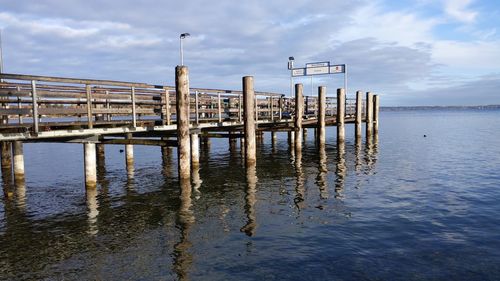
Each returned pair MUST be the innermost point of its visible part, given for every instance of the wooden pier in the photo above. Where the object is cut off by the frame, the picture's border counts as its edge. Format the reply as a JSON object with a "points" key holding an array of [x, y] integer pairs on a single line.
{"points": [[100, 112]]}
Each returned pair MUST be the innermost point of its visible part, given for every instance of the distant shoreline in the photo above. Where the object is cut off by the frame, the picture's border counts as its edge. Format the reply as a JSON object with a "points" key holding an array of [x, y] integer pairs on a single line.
{"points": [[426, 107]]}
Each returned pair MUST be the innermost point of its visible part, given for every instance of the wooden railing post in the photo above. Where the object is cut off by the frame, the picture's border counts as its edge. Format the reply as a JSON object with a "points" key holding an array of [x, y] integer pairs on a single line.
{"points": [[219, 108], [271, 107], [34, 100], [240, 106], [167, 107], [196, 108], [182, 113], [89, 106], [134, 117], [280, 104]]}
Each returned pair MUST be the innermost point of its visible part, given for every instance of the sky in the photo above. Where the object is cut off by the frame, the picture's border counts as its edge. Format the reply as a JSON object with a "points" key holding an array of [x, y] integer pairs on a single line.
{"points": [[421, 52]]}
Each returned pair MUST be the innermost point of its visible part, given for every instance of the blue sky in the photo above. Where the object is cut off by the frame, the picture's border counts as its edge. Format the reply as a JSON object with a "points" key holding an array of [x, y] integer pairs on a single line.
{"points": [[422, 52]]}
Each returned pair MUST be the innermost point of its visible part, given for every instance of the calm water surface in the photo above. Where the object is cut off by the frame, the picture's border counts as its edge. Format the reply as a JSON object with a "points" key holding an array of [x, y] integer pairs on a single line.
{"points": [[399, 207]]}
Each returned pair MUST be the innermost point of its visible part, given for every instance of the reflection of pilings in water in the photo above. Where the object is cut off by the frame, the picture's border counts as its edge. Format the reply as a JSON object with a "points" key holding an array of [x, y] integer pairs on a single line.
{"points": [[321, 180], [166, 159], [7, 183], [370, 153], [250, 200], [185, 219], [92, 212], [196, 181], [357, 153], [341, 170], [101, 165], [273, 142], [20, 197], [299, 189]]}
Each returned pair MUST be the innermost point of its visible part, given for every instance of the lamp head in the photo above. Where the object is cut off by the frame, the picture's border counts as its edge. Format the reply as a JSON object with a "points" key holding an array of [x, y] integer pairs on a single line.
{"points": [[184, 35]]}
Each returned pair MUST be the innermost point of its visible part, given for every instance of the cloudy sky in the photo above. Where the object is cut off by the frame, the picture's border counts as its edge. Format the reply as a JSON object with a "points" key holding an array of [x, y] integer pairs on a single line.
{"points": [[421, 52]]}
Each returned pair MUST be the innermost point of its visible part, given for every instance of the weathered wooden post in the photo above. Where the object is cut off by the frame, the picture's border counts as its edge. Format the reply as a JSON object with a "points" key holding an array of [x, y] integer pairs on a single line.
{"points": [[376, 105], [249, 120], [340, 115], [359, 111], [369, 114], [182, 106], [195, 150], [299, 111], [321, 116], [18, 160], [90, 165]]}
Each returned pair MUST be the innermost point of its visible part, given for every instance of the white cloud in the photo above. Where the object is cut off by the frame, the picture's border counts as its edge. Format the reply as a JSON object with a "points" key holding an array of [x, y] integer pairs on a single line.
{"points": [[459, 10]]}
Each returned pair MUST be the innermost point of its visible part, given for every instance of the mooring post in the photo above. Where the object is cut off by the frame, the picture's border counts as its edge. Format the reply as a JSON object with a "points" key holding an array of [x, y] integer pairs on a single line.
{"points": [[195, 150], [182, 106], [249, 120], [321, 115], [90, 165], [369, 114], [340, 115], [299, 111], [18, 160], [359, 111], [376, 105], [6, 156]]}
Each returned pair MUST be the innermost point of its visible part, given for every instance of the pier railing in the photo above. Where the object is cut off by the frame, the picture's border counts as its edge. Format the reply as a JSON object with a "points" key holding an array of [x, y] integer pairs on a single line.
{"points": [[38, 103]]}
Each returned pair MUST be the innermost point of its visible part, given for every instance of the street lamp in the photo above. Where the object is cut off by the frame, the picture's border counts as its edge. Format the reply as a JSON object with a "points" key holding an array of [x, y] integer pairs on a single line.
{"points": [[183, 35], [290, 67]]}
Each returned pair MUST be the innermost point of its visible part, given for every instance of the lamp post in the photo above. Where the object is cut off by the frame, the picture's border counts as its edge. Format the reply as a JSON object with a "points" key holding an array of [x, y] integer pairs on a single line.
{"points": [[290, 67], [181, 37]]}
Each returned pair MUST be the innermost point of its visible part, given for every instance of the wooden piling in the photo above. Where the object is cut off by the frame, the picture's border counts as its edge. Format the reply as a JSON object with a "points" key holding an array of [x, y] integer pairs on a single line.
{"points": [[249, 120], [359, 111], [340, 115], [18, 160], [299, 111], [99, 148], [90, 165], [182, 106], [376, 105], [195, 150], [321, 116], [369, 114]]}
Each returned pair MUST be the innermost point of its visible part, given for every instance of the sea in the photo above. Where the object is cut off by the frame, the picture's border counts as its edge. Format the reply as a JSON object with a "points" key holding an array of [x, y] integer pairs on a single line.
{"points": [[418, 201]]}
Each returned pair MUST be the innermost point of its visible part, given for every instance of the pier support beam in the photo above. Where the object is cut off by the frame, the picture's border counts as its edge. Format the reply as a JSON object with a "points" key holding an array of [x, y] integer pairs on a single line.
{"points": [[321, 116], [340, 115], [18, 160], [90, 165], [359, 111], [195, 150], [376, 105], [249, 120], [299, 111], [369, 114], [182, 106]]}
